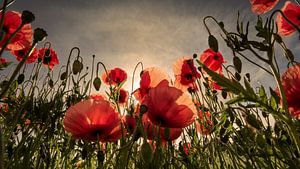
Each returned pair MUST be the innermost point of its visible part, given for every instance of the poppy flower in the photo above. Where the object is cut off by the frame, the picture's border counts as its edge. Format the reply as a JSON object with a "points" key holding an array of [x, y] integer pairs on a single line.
{"points": [[262, 6], [185, 73], [165, 134], [20, 54], [23, 39], [93, 119], [292, 12], [291, 82], [186, 148], [2, 61], [114, 76], [123, 96], [49, 57], [130, 123], [169, 106], [150, 78], [213, 60]]}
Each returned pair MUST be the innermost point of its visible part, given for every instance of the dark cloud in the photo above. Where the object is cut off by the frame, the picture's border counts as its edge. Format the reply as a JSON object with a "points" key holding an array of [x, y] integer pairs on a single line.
{"points": [[122, 33]]}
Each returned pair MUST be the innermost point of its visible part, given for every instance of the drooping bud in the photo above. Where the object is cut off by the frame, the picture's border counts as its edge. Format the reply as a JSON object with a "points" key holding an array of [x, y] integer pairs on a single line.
{"points": [[39, 35], [27, 17]]}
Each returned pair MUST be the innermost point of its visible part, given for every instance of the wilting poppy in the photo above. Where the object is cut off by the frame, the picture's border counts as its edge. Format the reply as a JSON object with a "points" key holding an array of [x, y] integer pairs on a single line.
{"points": [[292, 12], [23, 39], [165, 134], [169, 106], [185, 73], [114, 76], [48, 57], [213, 60], [20, 54], [291, 83], [93, 119], [262, 6], [150, 78]]}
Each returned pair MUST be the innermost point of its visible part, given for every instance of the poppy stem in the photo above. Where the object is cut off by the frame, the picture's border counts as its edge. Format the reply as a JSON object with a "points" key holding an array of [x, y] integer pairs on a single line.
{"points": [[133, 74], [93, 62], [9, 39], [3, 14], [16, 71]]}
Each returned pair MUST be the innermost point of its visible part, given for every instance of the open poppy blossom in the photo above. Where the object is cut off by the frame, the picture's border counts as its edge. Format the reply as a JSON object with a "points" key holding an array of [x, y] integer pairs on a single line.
{"points": [[23, 39], [185, 73], [213, 60], [291, 82], [49, 57], [263, 6], [292, 12], [165, 134], [20, 54], [169, 106], [150, 78], [93, 119], [114, 76]]}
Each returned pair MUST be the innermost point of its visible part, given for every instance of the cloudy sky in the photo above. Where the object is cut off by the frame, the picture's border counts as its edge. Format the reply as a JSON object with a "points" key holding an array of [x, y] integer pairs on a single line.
{"points": [[123, 32]]}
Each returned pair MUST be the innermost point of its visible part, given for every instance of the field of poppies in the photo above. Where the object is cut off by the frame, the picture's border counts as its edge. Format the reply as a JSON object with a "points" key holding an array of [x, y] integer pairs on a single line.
{"points": [[204, 114]]}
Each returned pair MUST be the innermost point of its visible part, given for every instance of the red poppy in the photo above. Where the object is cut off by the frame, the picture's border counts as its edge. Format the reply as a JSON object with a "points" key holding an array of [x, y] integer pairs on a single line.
{"points": [[20, 54], [23, 39], [93, 119], [123, 96], [130, 123], [2, 61], [169, 106], [185, 73], [186, 148], [262, 6], [114, 76], [292, 12], [165, 134], [213, 60], [49, 57], [150, 78], [291, 83]]}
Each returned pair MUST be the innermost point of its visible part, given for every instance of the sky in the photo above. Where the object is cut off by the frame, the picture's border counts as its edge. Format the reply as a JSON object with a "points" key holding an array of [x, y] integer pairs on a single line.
{"points": [[122, 33]]}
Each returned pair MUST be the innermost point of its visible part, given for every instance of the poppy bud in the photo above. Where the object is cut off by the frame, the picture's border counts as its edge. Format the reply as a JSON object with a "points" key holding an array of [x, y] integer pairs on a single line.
{"points": [[27, 17], [39, 34]]}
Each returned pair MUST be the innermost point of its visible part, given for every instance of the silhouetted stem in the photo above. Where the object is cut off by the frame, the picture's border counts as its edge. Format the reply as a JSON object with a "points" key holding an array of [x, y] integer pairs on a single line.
{"points": [[133, 74], [93, 62], [3, 14]]}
